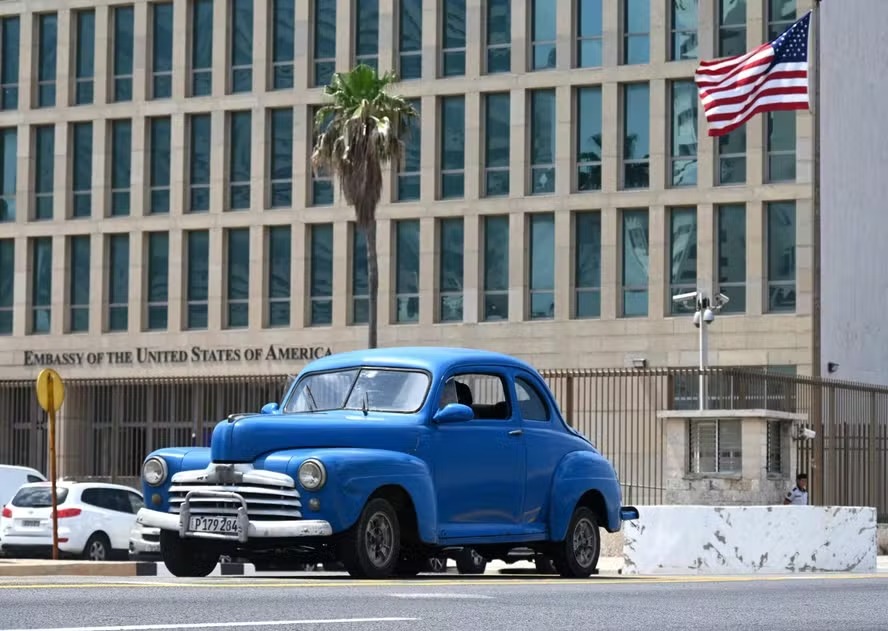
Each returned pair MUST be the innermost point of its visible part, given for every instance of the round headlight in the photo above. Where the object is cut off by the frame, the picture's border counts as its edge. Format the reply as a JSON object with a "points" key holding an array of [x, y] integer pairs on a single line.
{"points": [[154, 471], [312, 474]]}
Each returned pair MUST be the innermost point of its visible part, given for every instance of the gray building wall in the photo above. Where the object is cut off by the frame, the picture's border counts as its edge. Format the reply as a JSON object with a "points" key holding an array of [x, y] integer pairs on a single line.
{"points": [[854, 189]]}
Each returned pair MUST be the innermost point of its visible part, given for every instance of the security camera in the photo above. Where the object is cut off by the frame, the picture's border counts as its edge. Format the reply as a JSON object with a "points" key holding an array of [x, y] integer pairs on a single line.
{"points": [[723, 299], [708, 316], [810, 434], [697, 319], [684, 297]]}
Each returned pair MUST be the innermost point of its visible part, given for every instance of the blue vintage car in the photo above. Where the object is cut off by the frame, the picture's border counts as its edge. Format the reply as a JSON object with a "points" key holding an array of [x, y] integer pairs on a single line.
{"points": [[383, 459]]}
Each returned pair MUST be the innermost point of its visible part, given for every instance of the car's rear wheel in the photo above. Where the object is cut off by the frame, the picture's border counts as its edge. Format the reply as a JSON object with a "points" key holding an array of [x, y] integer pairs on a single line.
{"points": [[97, 548], [544, 565], [468, 561], [186, 557], [372, 548], [577, 555]]}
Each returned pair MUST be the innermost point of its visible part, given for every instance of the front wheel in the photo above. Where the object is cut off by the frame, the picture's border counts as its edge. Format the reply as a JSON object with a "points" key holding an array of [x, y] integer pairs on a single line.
{"points": [[372, 547], [98, 548], [468, 561], [186, 557], [577, 555]]}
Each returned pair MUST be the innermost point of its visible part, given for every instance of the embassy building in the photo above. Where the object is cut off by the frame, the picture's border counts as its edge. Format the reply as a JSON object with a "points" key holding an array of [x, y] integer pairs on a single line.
{"points": [[166, 247]]}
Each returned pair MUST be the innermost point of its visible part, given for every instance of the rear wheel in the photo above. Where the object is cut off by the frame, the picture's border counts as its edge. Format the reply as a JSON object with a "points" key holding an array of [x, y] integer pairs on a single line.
{"points": [[97, 548], [577, 555], [186, 557], [468, 561], [372, 548]]}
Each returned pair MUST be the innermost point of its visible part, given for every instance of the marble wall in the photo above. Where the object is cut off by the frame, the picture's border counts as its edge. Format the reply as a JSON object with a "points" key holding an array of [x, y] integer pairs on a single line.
{"points": [[750, 540]]}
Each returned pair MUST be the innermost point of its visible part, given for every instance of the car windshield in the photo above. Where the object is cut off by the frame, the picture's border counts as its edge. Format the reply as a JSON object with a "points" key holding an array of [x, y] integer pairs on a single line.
{"points": [[38, 496], [370, 389]]}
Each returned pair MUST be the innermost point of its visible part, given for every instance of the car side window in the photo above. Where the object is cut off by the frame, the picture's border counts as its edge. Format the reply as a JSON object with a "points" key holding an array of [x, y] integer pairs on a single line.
{"points": [[34, 478], [530, 402], [95, 497], [484, 393]]}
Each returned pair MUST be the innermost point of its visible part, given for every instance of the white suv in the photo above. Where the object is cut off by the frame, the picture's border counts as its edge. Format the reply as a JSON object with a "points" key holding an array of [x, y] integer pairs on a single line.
{"points": [[95, 520]]}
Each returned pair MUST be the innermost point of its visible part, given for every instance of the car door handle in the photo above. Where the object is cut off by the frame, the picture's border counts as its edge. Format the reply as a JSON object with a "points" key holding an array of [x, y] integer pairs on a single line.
{"points": [[516, 432]]}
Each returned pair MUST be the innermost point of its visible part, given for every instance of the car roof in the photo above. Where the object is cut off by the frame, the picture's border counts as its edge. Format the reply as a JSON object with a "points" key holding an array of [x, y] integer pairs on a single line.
{"points": [[435, 359], [15, 467], [70, 484]]}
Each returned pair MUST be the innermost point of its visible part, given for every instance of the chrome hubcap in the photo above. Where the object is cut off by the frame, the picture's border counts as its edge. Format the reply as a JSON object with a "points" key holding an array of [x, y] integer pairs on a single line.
{"points": [[585, 541], [379, 540], [97, 551], [477, 559]]}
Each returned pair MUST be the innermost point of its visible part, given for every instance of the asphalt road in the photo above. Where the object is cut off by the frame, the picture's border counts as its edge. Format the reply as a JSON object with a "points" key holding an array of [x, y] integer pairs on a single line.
{"points": [[451, 603]]}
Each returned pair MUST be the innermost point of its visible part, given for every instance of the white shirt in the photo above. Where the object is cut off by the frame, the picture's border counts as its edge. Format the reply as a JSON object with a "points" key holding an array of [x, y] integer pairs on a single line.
{"points": [[797, 496]]}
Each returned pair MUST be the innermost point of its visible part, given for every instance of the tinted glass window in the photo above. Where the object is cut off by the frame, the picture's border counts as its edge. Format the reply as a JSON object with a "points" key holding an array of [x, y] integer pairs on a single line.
{"points": [[38, 497], [34, 478], [485, 394], [530, 403], [135, 501], [95, 497]]}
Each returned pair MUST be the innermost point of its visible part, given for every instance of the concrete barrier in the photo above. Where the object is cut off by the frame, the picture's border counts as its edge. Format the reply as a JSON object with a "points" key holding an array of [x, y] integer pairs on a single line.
{"points": [[681, 540]]}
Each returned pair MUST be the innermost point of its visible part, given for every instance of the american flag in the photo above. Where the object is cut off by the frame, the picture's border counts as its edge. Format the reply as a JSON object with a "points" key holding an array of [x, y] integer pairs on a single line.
{"points": [[773, 76]]}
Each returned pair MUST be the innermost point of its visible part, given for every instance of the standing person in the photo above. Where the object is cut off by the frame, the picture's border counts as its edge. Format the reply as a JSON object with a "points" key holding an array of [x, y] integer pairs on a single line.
{"points": [[798, 496]]}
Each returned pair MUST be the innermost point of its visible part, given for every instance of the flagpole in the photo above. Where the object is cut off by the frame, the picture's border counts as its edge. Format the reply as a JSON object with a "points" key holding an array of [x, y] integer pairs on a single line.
{"points": [[819, 451]]}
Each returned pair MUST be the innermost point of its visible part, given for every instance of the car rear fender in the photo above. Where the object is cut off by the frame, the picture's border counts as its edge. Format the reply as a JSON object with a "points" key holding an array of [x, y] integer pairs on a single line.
{"points": [[584, 478]]}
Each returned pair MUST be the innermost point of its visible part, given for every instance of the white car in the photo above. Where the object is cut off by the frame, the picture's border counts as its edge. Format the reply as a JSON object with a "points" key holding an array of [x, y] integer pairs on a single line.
{"points": [[12, 477], [95, 520], [144, 543]]}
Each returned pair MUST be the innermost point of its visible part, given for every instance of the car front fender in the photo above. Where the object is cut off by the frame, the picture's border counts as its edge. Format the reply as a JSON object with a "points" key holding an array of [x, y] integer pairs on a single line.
{"points": [[177, 459], [580, 473]]}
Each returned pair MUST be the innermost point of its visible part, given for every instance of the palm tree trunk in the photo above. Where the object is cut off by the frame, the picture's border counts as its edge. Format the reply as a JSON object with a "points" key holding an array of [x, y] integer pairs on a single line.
{"points": [[372, 283]]}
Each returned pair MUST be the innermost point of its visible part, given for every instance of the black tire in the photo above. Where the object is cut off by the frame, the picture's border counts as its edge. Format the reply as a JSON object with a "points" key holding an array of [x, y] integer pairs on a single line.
{"points": [[372, 547], [98, 548], [470, 562], [544, 565], [577, 555], [437, 565], [186, 557]]}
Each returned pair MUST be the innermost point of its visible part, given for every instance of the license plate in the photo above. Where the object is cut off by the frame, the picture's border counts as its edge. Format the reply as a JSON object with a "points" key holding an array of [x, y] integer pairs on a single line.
{"points": [[219, 525], [30, 523]]}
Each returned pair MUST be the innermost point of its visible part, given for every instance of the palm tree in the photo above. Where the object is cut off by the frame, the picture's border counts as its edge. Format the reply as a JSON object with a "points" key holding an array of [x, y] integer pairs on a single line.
{"points": [[362, 129]]}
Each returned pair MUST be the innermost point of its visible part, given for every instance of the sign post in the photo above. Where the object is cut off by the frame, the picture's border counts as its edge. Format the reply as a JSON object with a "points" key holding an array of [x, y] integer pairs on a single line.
{"points": [[50, 394]]}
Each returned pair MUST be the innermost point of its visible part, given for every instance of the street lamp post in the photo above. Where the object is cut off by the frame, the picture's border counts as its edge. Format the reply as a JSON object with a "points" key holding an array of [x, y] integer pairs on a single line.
{"points": [[704, 314]]}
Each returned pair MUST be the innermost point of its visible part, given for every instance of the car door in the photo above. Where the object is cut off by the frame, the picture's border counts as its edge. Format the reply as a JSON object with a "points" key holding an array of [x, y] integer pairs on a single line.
{"points": [[479, 464], [123, 516]]}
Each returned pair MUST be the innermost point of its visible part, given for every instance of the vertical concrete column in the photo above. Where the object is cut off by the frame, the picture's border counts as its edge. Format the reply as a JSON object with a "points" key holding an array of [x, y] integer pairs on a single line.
{"points": [[657, 273], [345, 35], [520, 28], [64, 57], [302, 133], [218, 161], [101, 169], [431, 37], [97, 277], [611, 263], [804, 256], [385, 253], [181, 49], [428, 271], [517, 267], [473, 130], [142, 20], [388, 35], [564, 251], [706, 246], [756, 127], [564, 139], [103, 56], [259, 152], [221, 50], [138, 166], [756, 255], [565, 29], [474, 38], [216, 279], [21, 287], [611, 137], [179, 146], [660, 31], [429, 149], [28, 45], [612, 44], [177, 285], [518, 143], [303, 35], [138, 282], [59, 302], [258, 273], [25, 164], [659, 147], [299, 270], [471, 268], [262, 43], [341, 295]]}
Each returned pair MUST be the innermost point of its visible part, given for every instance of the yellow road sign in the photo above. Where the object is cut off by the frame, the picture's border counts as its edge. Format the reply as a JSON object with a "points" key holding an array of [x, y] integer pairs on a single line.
{"points": [[50, 390]]}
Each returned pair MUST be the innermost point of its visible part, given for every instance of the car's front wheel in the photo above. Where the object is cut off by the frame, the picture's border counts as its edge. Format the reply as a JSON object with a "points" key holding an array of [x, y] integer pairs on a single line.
{"points": [[577, 555], [468, 561], [372, 548], [186, 557]]}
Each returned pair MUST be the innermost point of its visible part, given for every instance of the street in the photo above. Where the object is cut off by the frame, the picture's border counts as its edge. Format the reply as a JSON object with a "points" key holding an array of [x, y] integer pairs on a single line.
{"points": [[445, 602]]}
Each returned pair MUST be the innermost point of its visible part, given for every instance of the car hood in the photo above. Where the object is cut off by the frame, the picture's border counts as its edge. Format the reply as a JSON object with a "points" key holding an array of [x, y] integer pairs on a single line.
{"points": [[244, 438]]}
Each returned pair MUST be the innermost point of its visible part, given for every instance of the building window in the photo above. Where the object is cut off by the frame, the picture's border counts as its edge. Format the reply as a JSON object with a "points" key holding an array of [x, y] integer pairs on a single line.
{"points": [[241, 46], [123, 54], [682, 256], [407, 270], [410, 39], [9, 62], [198, 256], [774, 445], [542, 141], [47, 33], [162, 50], [367, 33], [283, 43], [238, 285], [450, 271], [41, 284], [636, 258], [7, 284], [78, 287], [497, 143], [453, 38], [279, 250], [324, 20], [360, 302], [496, 268], [282, 157], [84, 56], [158, 279], [587, 264], [239, 159], [636, 31], [44, 171], [201, 47], [732, 157], [731, 255], [731, 28], [781, 146], [453, 143], [684, 133], [322, 179], [160, 139], [544, 33], [121, 166], [684, 30], [590, 36], [118, 282], [321, 270], [499, 36], [82, 135], [541, 296], [200, 147], [409, 180], [781, 239], [588, 142], [636, 135], [715, 446], [8, 173], [781, 15]]}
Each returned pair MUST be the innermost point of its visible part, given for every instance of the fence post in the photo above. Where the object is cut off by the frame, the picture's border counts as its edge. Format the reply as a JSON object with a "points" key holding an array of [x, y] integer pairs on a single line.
{"points": [[872, 474], [569, 399]]}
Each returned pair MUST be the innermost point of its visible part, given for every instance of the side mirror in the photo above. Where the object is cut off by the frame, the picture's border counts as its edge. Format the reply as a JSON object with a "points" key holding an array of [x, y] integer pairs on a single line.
{"points": [[270, 408], [454, 413]]}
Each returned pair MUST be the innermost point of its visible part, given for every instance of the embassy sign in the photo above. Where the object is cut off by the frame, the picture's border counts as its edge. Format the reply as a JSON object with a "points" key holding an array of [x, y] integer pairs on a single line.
{"points": [[197, 355]]}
